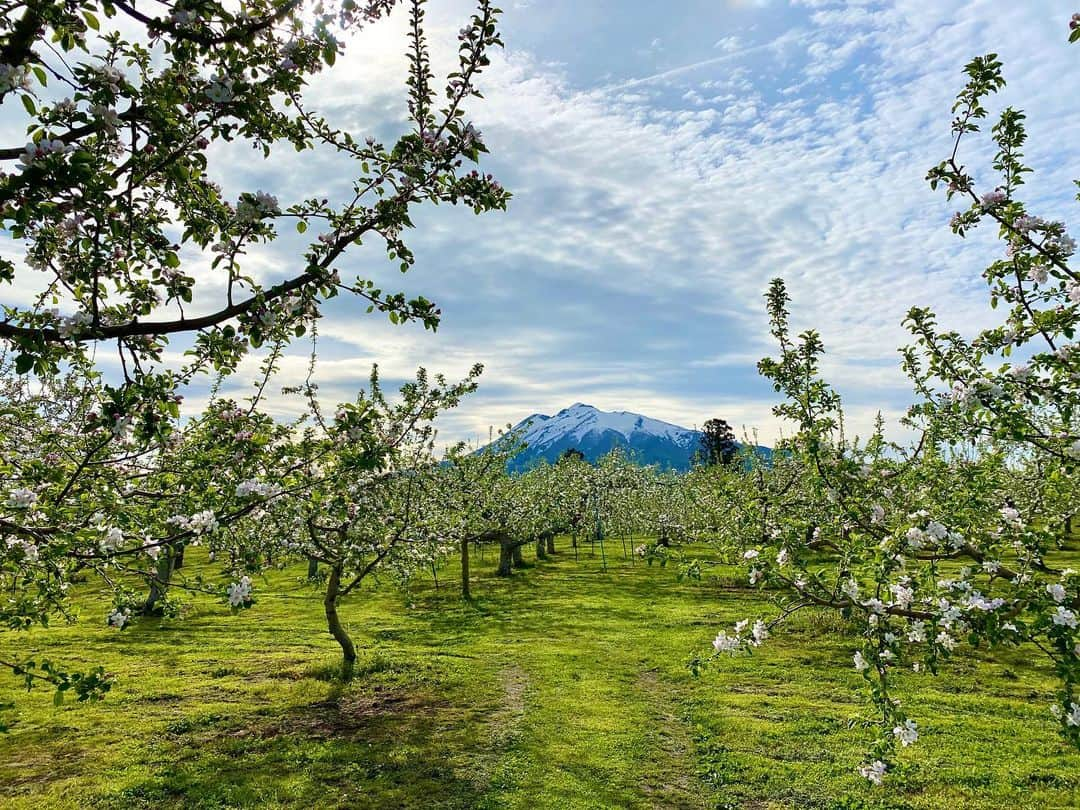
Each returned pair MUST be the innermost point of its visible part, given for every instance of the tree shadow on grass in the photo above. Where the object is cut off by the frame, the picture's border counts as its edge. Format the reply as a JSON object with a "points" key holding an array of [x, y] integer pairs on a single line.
{"points": [[373, 748]]}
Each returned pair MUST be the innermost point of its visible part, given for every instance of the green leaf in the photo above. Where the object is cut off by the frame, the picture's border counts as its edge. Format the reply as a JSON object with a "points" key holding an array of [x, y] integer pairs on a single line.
{"points": [[23, 363], [301, 226], [29, 104]]}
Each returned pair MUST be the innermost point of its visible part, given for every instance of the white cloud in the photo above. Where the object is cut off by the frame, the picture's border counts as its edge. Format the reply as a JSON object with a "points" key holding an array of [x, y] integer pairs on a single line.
{"points": [[650, 212]]}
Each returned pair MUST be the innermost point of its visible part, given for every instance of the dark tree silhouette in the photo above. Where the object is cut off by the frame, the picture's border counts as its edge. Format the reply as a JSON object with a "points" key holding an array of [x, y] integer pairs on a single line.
{"points": [[718, 445], [572, 454]]}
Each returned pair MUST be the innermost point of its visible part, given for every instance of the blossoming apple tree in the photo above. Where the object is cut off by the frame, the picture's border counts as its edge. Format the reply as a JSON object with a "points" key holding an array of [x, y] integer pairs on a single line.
{"points": [[123, 241], [370, 501], [956, 539]]}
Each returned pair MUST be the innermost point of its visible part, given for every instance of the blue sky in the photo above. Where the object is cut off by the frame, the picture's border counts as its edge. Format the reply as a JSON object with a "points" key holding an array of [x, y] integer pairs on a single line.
{"points": [[667, 160]]}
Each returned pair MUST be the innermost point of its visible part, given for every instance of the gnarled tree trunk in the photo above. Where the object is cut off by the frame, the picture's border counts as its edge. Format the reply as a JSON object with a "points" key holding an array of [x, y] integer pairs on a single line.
{"points": [[333, 623], [160, 583], [551, 543], [506, 557]]}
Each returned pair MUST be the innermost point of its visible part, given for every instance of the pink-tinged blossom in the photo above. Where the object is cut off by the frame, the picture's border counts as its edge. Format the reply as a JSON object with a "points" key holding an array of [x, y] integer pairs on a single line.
{"points": [[1026, 224], [992, 198]]}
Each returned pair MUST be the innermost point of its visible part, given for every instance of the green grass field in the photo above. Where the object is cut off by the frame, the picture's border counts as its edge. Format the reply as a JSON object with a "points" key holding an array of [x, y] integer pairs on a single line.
{"points": [[565, 687]]}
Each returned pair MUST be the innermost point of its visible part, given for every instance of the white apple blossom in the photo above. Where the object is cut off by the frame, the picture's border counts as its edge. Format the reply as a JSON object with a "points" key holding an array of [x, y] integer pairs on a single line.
{"points": [[239, 592], [1012, 518], [875, 605], [21, 498], [906, 733], [112, 540], [903, 595], [977, 601], [71, 325], [1063, 617], [255, 488], [14, 76], [945, 640], [1071, 717], [915, 537], [41, 150], [850, 589], [874, 772], [723, 643], [220, 90], [759, 632]]}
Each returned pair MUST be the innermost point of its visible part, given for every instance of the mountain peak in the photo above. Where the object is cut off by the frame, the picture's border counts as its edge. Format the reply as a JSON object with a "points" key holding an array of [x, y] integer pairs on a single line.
{"points": [[595, 432]]}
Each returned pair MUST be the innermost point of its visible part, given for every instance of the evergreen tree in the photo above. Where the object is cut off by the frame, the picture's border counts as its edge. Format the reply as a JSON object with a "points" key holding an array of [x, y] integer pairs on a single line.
{"points": [[718, 445]]}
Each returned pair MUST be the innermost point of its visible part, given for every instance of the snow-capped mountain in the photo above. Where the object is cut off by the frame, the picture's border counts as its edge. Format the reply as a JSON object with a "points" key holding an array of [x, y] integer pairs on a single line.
{"points": [[595, 432]]}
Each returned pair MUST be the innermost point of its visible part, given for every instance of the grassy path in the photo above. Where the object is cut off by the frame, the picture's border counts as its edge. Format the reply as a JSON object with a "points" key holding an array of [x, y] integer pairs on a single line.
{"points": [[566, 687]]}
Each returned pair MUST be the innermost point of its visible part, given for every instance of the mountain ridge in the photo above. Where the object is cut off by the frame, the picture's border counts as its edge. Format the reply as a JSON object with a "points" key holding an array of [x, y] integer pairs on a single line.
{"points": [[594, 433]]}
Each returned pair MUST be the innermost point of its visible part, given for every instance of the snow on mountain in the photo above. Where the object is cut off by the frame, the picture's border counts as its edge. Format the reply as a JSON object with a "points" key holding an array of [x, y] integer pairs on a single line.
{"points": [[595, 432], [580, 420]]}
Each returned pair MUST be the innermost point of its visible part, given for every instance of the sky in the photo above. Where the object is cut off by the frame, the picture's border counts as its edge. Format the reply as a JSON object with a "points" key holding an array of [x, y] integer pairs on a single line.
{"points": [[667, 161]]}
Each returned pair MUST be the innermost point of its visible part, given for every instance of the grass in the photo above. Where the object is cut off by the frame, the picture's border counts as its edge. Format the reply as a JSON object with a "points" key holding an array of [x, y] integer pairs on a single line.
{"points": [[565, 687]]}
